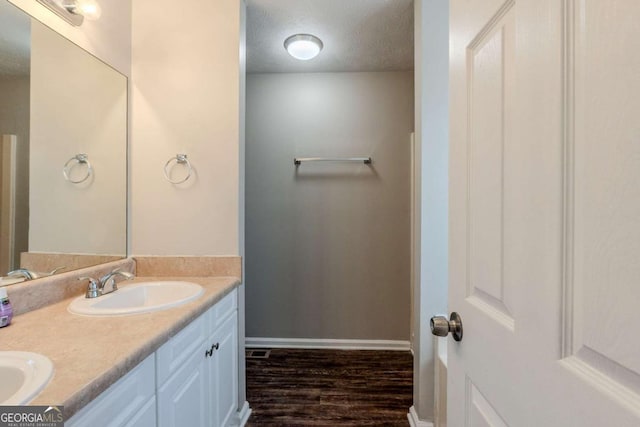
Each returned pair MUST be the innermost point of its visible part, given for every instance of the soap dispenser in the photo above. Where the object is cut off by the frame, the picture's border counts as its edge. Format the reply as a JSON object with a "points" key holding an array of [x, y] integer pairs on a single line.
{"points": [[6, 311]]}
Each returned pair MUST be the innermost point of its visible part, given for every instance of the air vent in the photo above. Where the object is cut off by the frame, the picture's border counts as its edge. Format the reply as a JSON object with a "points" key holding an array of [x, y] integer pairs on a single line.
{"points": [[258, 354]]}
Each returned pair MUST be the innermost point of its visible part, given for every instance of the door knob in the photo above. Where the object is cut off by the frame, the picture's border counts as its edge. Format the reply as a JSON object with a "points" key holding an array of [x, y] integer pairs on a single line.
{"points": [[441, 327]]}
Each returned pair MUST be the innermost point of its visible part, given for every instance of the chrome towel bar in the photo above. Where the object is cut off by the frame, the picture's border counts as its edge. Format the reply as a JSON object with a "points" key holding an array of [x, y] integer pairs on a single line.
{"points": [[298, 160]]}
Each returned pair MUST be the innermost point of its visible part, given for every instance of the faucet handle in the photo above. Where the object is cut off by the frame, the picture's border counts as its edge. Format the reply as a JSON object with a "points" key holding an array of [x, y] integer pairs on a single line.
{"points": [[93, 290], [55, 270]]}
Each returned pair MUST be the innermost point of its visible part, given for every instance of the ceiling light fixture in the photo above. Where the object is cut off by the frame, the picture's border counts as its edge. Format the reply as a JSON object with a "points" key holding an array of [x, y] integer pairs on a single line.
{"points": [[74, 11], [303, 46]]}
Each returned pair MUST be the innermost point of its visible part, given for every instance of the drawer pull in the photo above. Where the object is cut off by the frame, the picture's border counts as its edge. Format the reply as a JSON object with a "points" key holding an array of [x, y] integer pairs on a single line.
{"points": [[209, 352]]}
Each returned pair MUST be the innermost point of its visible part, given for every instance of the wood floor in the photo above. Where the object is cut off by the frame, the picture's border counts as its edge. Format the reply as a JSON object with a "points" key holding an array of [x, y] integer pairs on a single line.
{"points": [[296, 387]]}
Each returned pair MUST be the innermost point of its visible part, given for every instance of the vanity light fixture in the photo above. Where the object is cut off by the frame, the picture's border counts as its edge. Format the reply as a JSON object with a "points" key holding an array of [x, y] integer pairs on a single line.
{"points": [[90, 9], [303, 46], [74, 11]]}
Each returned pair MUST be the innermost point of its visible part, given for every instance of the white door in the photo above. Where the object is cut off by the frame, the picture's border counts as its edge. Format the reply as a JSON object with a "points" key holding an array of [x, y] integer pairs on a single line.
{"points": [[545, 213]]}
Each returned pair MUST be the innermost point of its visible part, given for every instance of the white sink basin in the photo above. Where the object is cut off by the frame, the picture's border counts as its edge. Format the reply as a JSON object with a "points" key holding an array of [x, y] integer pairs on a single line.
{"points": [[141, 297], [23, 375]]}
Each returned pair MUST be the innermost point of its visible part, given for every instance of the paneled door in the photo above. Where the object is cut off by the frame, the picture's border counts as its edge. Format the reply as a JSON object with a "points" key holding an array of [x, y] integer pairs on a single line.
{"points": [[545, 213]]}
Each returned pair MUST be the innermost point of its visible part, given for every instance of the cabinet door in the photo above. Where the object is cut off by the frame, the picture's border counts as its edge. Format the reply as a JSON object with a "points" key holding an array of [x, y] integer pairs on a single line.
{"points": [[129, 402], [173, 354], [222, 309], [146, 417], [223, 372], [183, 399]]}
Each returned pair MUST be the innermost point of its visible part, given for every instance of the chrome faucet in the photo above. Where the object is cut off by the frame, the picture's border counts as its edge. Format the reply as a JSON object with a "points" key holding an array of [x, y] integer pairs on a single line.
{"points": [[93, 290], [96, 288], [30, 275], [110, 278]]}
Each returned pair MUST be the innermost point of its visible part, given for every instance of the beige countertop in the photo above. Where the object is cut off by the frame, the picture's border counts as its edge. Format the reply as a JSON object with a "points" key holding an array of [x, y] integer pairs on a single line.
{"points": [[91, 353]]}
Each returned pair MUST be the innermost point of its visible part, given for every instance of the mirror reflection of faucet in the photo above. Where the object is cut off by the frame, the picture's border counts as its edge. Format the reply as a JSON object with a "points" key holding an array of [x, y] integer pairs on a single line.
{"points": [[22, 274], [97, 287]]}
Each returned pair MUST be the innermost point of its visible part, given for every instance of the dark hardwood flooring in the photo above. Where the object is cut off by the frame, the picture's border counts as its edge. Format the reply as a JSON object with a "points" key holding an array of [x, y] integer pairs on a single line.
{"points": [[296, 387]]}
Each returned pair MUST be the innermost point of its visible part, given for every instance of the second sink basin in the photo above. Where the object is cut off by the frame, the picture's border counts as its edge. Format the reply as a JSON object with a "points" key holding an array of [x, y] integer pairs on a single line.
{"points": [[142, 297], [23, 375]]}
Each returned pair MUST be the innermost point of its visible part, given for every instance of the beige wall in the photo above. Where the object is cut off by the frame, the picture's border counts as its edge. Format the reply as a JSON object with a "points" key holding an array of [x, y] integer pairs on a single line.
{"points": [[78, 105], [186, 99], [14, 120], [109, 38], [327, 244]]}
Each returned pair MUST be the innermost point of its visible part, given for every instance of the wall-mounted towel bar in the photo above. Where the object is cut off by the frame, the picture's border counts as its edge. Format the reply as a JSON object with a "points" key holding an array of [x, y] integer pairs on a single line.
{"points": [[298, 160]]}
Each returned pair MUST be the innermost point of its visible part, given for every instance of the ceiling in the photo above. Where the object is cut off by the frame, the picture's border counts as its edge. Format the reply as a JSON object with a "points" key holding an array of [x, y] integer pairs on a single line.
{"points": [[15, 41], [358, 35]]}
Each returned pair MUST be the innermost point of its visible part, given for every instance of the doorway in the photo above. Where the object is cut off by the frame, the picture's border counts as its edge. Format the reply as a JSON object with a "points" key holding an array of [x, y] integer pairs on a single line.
{"points": [[328, 242]]}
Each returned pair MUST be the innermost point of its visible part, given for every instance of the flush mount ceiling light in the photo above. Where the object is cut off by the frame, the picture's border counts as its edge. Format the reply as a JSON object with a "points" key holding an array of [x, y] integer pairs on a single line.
{"points": [[74, 11], [303, 46]]}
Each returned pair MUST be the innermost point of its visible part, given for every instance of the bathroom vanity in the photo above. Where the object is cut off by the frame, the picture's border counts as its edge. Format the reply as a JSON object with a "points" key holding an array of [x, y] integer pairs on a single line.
{"points": [[173, 367], [190, 380], [68, 207]]}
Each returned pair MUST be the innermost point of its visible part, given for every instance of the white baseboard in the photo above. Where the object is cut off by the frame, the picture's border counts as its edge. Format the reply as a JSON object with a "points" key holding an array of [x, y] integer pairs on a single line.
{"points": [[242, 416], [414, 421], [327, 344]]}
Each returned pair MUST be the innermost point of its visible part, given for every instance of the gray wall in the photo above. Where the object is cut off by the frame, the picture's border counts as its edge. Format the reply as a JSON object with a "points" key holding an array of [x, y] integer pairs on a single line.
{"points": [[328, 244]]}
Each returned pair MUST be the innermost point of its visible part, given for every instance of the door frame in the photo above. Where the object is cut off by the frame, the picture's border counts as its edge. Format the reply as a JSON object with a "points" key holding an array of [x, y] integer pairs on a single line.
{"points": [[8, 205], [430, 287]]}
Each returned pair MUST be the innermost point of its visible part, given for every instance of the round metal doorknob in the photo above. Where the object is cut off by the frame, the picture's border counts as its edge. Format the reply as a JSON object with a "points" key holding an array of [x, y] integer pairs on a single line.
{"points": [[441, 327]]}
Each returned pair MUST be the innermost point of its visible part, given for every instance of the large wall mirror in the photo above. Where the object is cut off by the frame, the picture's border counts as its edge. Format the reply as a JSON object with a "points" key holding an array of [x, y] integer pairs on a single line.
{"points": [[63, 159]]}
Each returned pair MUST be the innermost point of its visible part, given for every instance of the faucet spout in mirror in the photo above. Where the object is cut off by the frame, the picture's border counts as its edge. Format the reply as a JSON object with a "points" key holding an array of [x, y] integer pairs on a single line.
{"points": [[24, 273], [30, 275]]}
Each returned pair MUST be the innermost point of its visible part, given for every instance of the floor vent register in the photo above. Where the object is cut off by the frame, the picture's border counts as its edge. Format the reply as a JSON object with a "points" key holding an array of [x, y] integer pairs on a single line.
{"points": [[258, 354]]}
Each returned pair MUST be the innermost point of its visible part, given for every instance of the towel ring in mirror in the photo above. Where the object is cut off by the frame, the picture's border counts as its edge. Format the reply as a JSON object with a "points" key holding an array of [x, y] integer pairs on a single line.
{"points": [[179, 159]]}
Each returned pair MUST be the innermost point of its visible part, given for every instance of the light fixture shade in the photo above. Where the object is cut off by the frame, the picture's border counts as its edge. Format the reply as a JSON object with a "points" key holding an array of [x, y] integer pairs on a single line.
{"points": [[303, 46], [90, 9], [64, 9], [74, 11]]}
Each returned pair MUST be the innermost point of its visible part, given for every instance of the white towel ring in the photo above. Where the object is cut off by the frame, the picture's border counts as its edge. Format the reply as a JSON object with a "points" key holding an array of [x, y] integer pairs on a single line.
{"points": [[179, 159], [78, 159]]}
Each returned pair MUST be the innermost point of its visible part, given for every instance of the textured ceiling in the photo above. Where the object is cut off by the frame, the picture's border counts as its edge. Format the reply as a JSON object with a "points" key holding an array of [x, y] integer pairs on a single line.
{"points": [[358, 35], [15, 40]]}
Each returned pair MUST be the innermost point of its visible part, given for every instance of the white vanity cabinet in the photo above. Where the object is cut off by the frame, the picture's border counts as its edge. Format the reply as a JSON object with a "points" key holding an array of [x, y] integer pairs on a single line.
{"points": [[192, 380], [222, 371], [182, 389], [130, 402], [198, 370]]}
